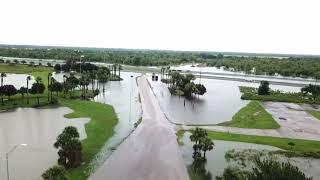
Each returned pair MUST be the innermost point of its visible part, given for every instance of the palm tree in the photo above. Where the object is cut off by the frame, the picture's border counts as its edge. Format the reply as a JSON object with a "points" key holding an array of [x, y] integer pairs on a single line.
{"points": [[119, 69], [38, 81], [49, 75], [64, 84], [2, 76], [207, 145], [92, 76], [28, 79]]}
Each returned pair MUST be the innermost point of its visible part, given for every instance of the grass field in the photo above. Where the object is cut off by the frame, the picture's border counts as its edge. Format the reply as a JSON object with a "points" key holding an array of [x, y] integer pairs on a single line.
{"points": [[252, 116], [99, 130], [305, 148], [316, 114], [250, 93]]}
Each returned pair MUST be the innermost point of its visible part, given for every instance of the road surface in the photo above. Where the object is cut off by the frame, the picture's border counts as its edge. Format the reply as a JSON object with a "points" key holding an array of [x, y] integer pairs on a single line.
{"points": [[151, 152]]}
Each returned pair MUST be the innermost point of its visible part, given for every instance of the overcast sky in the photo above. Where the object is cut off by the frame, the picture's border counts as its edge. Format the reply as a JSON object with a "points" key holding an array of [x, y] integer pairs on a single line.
{"points": [[271, 26]]}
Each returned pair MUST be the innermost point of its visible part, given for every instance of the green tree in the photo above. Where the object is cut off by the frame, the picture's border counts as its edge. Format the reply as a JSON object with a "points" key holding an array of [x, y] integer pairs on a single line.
{"points": [[268, 169], [56, 87], [55, 173], [312, 89], [271, 169], [57, 68], [207, 145], [70, 148], [264, 88], [49, 76], [28, 79], [8, 90], [3, 75], [38, 88], [22, 91]]}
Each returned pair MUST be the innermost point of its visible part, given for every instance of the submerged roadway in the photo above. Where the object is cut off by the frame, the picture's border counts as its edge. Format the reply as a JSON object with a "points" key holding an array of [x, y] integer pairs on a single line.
{"points": [[151, 152]]}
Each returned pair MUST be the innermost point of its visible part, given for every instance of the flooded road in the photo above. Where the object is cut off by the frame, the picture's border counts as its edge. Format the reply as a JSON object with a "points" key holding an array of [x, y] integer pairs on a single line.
{"points": [[38, 128], [150, 152]]}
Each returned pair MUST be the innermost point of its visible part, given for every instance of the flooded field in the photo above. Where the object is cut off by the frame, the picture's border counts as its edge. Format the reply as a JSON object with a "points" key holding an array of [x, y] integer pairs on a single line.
{"points": [[17, 80], [38, 128], [217, 161], [219, 104], [123, 96]]}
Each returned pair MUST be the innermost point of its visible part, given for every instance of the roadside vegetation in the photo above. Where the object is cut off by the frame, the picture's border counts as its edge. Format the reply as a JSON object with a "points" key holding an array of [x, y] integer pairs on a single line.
{"points": [[265, 169], [294, 147], [309, 95], [252, 116]]}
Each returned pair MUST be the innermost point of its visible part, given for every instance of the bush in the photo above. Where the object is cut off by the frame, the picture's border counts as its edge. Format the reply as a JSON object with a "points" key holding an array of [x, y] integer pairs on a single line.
{"points": [[264, 88], [55, 173]]}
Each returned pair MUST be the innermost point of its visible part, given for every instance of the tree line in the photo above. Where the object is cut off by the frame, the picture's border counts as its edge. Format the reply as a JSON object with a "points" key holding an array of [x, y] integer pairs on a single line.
{"points": [[303, 66]]}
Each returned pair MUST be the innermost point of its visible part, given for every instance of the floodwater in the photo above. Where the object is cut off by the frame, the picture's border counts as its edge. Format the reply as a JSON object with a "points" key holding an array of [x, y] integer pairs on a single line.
{"points": [[219, 104], [117, 94], [213, 71], [216, 161], [38, 128], [18, 80]]}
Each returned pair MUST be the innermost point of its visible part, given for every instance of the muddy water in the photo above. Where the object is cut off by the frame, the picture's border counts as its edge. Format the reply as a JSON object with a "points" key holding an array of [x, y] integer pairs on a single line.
{"points": [[18, 80], [117, 94], [38, 128], [216, 161], [219, 104]]}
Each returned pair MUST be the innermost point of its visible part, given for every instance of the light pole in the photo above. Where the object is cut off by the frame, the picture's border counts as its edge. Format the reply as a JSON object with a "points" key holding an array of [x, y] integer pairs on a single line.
{"points": [[130, 98], [7, 157], [82, 56]]}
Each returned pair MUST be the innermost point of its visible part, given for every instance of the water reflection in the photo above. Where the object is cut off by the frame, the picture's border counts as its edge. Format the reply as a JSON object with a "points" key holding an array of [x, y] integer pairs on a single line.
{"points": [[121, 95], [216, 162], [18, 80], [237, 155], [219, 104], [38, 128]]}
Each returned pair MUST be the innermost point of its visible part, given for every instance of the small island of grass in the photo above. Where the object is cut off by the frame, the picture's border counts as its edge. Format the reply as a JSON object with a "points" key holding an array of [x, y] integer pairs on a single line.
{"points": [[252, 116]]}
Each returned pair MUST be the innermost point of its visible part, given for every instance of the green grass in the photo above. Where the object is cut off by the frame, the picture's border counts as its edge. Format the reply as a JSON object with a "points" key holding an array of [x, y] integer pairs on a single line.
{"points": [[250, 93], [301, 148], [23, 69], [99, 130], [252, 116], [316, 114], [282, 143]]}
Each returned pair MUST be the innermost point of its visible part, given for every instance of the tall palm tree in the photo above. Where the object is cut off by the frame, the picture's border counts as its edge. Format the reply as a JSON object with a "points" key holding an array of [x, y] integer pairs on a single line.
{"points": [[28, 79], [119, 69], [38, 81], [2, 76], [207, 145], [49, 75], [64, 85]]}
